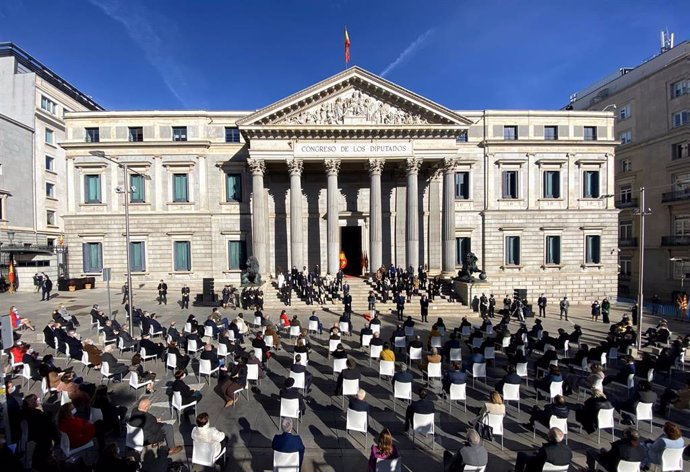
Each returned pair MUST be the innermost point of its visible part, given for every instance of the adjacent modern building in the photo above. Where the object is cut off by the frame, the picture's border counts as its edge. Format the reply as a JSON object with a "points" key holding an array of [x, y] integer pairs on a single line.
{"points": [[33, 103], [652, 128], [355, 166]]}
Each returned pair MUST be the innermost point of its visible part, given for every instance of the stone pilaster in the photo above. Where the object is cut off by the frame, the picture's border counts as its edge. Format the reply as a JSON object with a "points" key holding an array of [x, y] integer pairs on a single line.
{"points": [[412, 166], [448, 226], [259, 229], [375, 218], [295, 167], [332, 214]]}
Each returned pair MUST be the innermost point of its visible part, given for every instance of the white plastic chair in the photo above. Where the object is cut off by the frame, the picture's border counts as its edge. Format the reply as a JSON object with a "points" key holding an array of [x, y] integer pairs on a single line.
{"points": [[303, 359], [259, 353], [105, 372], [423, 424], [187, 328], [253, 373], [477, 342], [496, 423], [555, 388], [222, 350], [511, 392], [415, 354], [672, 460], [134, 381], [350, 387], [145, 357], [375, 328], [455, 354], [400, 342], [285, 461], [25, 373], [490, 354], [644, 412], [171, 362], [605, 420], [44, 387], [358, 421], [299, 380], [338, 366], [313, 326], [386, 368], [549, 467], [153, 333], [257, 321], [84, 361], [134, 438], [192, 346], [64, 398], [402, 390], [203, 454], [478, 371], [177, 406], [555, 422], [205, 369], [388, 465], [436, 342], [66, 448], [374, 352], [521, 370], [626, 466], [332, 345], [294, 332], [433, 371], [366, 340], [289, 408], [344, 327], [466, 331], [457, 392], [208, 332]]}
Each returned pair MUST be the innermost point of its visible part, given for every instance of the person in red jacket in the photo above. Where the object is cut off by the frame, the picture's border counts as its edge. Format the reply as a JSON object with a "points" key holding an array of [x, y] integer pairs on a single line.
{"points": [[78, 430], [18, 321]]}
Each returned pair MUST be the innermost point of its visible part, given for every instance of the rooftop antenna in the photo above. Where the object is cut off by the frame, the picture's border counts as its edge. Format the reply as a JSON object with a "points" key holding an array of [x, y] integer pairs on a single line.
{"points": [[666, 40]]}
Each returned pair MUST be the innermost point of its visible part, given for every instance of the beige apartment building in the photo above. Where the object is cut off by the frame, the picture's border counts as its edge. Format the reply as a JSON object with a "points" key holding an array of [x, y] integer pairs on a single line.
{"points": [[33, 103], [652, 127], [354, 165]]}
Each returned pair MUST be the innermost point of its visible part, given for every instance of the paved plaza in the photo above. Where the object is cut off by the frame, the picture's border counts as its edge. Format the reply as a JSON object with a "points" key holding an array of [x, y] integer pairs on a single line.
{"points": [[251, 423]]}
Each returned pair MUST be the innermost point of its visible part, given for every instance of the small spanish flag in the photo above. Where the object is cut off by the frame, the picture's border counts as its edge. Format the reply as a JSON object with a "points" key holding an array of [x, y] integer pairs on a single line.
{"points": [[347, 47]]}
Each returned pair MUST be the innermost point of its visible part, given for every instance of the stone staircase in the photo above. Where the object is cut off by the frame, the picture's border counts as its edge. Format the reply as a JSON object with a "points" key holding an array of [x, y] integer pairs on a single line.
{"points": [[359, 289]]}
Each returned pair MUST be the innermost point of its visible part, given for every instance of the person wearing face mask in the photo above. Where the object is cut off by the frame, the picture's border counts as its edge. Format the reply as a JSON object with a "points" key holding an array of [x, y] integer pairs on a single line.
{"points": [[79, 431], [41, 429]]}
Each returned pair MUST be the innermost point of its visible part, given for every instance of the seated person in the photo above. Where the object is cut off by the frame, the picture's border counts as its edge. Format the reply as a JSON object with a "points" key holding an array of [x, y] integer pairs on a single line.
{"points": [[351, 372], [188, 395], [677, 398], [553, 376], [204, 432], [454, 375], [387, 354], [289, 392], [182, 359], [627, 449], [554, 452], [628, 408], [557, 408], [587, 416], [423, 406], [116, 368], [78, 430], [288, 441], [357, 402], [510, 378], [210, 353], [623, 373], [433, 358], [472, 453], [151, 348], [475, 358], [298, 368], [403, 375], [154, 431], [671, 438], [339, 352]]}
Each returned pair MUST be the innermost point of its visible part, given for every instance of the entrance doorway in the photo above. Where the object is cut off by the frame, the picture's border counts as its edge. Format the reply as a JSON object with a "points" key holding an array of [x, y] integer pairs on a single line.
{"points": [[351, 245]]}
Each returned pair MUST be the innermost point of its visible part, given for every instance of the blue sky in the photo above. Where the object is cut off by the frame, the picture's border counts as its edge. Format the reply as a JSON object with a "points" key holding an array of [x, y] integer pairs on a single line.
{"points": [[243, 55]]}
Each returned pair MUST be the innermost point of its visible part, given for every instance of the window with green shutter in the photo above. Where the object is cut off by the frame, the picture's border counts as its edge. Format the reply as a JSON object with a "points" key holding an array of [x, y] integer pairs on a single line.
{"points": [[512, 250], [233, 187], [593, 249], [590, 184], [92, 188], [237, 255], [93, 257], [137, 185], [463, 246], [180, 188], [553, 250], [137, 257], [552, 184], [182, 256]]}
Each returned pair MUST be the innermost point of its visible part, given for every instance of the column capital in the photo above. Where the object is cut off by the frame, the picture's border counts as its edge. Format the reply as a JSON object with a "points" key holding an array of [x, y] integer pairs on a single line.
{"points": [[449, 164], [412, 165], [332, 166], [295, 166], [376, 166], [257, 166]]}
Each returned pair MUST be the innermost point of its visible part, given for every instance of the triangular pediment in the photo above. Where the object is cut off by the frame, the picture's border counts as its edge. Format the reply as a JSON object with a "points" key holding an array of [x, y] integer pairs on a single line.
{"points": [[352, 99]]}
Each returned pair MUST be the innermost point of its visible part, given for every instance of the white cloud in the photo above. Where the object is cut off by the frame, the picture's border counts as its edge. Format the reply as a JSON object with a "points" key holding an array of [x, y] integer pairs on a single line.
{"points": [[143, 26], [409, 51]]}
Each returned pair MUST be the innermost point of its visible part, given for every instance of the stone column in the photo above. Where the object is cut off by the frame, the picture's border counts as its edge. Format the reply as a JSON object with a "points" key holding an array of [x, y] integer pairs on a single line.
{"points": [[448, 229], [412, 223], [259, 229], [375, 219], [295, 167], [333, 211]]}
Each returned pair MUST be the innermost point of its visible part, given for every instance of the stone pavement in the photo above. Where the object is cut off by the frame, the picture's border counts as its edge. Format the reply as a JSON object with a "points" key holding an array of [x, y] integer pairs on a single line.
{"points": [[251, 424]]}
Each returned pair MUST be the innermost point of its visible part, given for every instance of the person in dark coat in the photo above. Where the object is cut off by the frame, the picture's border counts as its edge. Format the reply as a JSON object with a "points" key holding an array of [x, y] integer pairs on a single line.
{"points": [[471, 453], [351, 372], [455, 375], [557, 408], [554, 452], [298, 368], [626, 449], [189, 395], [151, 347], [510, 378], [118, 369], [643, 394], [210, 353], [289, 392], [358, 403], [288, 441], [587, 416], [154, 432], [424, 307], [422, 406]]}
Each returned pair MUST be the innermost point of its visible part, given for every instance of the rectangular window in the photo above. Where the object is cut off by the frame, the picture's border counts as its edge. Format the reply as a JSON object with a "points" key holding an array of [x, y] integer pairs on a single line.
{"points": [[136, 134], [92, 188], [590, 187], [626, 267], [681, 182], [233, 187], [625, 193], [625, 229], [625, 165], [624, 112], [179, 133], [510, 133], [551, 133], [237, 255], [137, 185], [49, 136], [510, 184], [232, 135], [462, 185], [93, 257], [93, 135], [463, 246], [680, 88], [553, 250], [590, 133], [182, 256], [592, 249], [512, 250], [137, 256], [50, 163], [552, 184], [681, 118], [462, 137], [625, 137], [680, 150], [50, 190], [681, 225], [180, 188], [50, 217], [48, 105]]}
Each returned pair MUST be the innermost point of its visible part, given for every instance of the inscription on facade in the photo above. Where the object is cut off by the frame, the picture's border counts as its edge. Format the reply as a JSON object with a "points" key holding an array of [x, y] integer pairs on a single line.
{"points": [[353, 149]]}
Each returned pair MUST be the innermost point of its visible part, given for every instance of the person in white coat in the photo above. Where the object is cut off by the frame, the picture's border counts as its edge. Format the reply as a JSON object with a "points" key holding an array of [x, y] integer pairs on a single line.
{"points": [[203, 432]]}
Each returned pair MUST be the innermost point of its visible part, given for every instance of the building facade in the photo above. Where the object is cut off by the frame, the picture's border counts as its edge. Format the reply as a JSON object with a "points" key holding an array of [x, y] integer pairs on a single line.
{"points": [[652, 127], [353, 166], [33, 102]]}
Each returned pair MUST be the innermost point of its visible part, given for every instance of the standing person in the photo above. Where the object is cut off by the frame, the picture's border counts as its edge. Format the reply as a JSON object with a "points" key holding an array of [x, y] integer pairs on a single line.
{"points": [[596, 310], [38, 282], [483, 305], [633, 313], [564, 305], [605, 309], [492, 306], [185, 297], [46, 288], [125, 292], [541, 303], [162, 292], [424, 306], [400, 306], [383, 449], [371, 301]]}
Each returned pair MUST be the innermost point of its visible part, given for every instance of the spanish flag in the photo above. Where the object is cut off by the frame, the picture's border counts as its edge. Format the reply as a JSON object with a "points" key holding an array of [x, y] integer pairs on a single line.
{"points": [[347, 47], [12, 276]]}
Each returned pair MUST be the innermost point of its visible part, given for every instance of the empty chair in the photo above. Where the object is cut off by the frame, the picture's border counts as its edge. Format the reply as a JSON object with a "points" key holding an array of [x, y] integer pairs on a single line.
{"points": [[644, 412], [433, 371], [134, 438], [402, 390], [457, 392], [357, 421], [478, 371], [511, 392], [205, 369], [386, 368], [203, 454], [177, 406], [423, 424], [496, 423], [289, 408], [455, 354], [415, 354], [285, 461], [344, 327], [366, 340], [294, 332]]}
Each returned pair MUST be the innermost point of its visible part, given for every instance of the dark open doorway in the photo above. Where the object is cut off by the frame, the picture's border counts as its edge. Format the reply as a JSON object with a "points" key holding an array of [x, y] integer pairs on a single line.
{"points": [[351, 245]]}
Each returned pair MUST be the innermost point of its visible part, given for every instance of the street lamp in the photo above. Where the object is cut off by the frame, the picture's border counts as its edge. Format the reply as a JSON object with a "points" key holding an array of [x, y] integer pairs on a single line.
{"points": [[126, 190], [641, 212]]}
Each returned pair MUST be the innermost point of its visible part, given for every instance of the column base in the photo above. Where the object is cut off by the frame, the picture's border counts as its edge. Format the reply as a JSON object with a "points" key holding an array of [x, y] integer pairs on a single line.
{"points": [[449, 274]]}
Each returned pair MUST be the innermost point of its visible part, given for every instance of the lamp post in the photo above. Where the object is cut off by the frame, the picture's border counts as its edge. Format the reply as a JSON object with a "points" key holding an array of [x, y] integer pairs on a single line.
{"points": [[641, 212], [126, 191]]}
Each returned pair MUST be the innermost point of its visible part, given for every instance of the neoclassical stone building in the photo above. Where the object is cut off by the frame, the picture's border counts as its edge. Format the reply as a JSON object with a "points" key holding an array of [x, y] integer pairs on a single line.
{"points": [[354, 164]]}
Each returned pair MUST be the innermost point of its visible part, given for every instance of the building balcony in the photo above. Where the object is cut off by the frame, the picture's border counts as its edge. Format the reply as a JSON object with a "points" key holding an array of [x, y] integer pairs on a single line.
{"points": [[628, 203], [676, 195], [628, 242], [675, 240]]}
